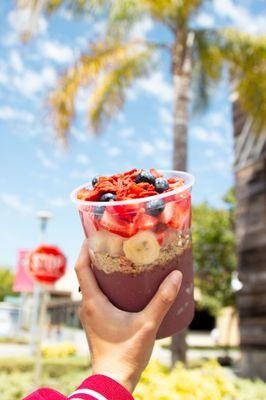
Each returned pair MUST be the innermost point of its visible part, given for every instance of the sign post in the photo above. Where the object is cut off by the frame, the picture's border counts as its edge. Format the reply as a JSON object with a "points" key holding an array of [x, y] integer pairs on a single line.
{"points": [[46, 264]]}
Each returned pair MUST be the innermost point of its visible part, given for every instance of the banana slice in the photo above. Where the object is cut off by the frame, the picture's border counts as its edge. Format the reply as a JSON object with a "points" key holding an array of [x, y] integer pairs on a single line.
{"points": [[97, 242], [142, 248], [114, 244]]}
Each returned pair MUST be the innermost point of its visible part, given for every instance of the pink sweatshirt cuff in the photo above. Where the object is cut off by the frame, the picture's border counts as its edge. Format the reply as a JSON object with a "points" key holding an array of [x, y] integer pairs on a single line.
{"points": [[96, 387], [101, 387]]}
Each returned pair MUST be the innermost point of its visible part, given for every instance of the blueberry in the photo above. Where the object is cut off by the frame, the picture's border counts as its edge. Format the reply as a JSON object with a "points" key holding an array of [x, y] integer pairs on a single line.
{"points": [[145, 176], [108, 197], [95, 180], [98, 211], [155, 207], [161, 185]]}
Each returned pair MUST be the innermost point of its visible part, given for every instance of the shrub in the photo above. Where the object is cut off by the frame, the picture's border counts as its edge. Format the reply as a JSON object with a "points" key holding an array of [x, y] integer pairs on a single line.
{"points": [[210, 382], [59, 350]]}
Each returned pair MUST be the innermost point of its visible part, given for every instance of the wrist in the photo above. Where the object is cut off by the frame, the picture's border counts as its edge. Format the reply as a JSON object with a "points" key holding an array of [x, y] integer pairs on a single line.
{"points": [[121, 375]]}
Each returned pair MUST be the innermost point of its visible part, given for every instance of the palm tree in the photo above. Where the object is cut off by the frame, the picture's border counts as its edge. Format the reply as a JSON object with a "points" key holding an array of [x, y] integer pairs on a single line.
{"points": [[114, 62]]}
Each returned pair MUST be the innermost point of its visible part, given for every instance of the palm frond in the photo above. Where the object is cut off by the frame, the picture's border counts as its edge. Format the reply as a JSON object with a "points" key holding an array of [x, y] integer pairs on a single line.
{"points": [[108, 70], [109, 95], [245, 56]]}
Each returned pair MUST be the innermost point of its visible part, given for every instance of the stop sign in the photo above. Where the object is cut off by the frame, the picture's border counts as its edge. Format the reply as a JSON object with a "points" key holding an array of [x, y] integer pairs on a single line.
{"points": [[47, 264]]}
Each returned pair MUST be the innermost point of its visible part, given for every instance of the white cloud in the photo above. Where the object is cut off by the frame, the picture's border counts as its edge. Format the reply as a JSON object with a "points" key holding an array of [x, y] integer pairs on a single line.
{"points": [[83, 159], [216, 119], [8, 113], [45, 161], [49, 75], [15, 203], [15, 61], [113, 151], [166, 115], [20, 20], [85, 174], [146, 148], [240, 16], [141, 28], [205, 135], [80, 136], [82, 100], [66, 14], [57, 52], [205, 20], [126, 133], [162, 144], [156, 85], [33, 82]]}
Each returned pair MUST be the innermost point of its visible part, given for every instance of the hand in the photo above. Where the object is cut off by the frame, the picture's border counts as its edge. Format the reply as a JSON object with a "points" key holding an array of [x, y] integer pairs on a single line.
{"points": [[121, 342]]}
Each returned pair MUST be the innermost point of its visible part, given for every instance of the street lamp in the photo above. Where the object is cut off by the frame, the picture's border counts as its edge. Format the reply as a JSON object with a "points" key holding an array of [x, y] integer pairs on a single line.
{"points": [[44, 216]]}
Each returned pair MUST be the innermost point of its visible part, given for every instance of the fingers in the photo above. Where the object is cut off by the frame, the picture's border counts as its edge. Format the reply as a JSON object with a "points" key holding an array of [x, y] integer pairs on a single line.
{"points": [[87, 281], [156, 310]]}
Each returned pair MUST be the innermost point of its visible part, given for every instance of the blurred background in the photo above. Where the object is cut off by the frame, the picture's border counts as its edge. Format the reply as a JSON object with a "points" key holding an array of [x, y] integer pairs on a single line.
{"points": [[96, 87]]}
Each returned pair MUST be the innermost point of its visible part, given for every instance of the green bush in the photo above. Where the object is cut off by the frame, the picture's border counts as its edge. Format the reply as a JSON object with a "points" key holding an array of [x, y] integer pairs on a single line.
{"points": [[208, 382]]}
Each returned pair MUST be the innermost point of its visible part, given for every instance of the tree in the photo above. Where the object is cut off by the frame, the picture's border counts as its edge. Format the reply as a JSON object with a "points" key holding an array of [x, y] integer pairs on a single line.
{"points": [[6, 282], [214, 256], [113, 62]]}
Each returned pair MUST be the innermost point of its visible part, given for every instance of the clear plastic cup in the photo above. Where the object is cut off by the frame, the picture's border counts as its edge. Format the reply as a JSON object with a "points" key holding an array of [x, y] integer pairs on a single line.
{"points": [[132, 252]]}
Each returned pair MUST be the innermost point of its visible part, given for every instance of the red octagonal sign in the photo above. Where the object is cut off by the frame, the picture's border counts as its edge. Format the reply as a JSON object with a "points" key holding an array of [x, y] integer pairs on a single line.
{"points": [[47, 264]]}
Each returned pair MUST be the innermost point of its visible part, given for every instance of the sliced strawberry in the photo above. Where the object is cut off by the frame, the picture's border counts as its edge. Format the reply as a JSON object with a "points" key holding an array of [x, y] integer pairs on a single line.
{"points": [[181, 217], [145, 221], [155, 173], [168, 212], [116, 225]]}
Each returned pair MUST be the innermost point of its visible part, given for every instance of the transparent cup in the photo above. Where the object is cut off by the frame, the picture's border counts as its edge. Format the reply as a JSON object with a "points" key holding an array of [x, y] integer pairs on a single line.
{"points": [[132, 251]]}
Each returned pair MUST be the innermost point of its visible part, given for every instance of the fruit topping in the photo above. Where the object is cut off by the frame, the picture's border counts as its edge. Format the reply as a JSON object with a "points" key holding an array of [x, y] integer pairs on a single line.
{"points": [[142, 248], [155, 207], [155, 173], [107, 197], [117, 225], [97, 241], [145, 221], [145, 176], [168, 212], [161, 185], [95, 180]]}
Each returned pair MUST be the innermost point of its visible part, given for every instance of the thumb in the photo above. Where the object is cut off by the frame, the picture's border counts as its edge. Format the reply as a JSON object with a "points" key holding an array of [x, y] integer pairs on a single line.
{"points": [[157, 308]]}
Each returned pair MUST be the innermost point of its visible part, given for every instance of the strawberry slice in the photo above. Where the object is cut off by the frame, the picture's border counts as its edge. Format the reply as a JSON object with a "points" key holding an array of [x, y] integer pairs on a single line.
{"points": [[181, 217], [168, 212], [116, 225], [145, 221]]}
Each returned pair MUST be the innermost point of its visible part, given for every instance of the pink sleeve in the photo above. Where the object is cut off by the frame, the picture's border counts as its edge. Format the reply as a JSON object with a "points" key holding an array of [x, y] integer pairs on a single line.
{"points": [[96, 387]]}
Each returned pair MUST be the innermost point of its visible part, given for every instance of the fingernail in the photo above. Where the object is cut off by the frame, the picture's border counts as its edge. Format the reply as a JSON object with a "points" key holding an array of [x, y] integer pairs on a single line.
{"points": [[175, 277]]}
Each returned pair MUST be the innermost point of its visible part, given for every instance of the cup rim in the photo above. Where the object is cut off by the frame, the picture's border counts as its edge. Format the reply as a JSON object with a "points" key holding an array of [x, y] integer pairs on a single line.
{"points": [[189, 182]]}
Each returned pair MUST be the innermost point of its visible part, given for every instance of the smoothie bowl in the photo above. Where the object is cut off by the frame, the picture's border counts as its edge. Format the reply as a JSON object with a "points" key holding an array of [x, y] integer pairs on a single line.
{"points": [[138, 228]]}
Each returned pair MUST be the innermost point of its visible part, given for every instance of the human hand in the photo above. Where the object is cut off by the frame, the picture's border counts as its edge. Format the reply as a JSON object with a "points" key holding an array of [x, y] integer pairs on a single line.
{"points": [[121, 342]]}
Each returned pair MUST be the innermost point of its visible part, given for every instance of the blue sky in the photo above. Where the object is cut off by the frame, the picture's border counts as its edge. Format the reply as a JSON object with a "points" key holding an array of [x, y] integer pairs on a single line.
{"points": [[36, 174]]}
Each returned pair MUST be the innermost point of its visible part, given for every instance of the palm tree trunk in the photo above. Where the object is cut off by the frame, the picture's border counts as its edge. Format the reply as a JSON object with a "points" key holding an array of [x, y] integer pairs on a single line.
{"points": [[182, 68]]}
